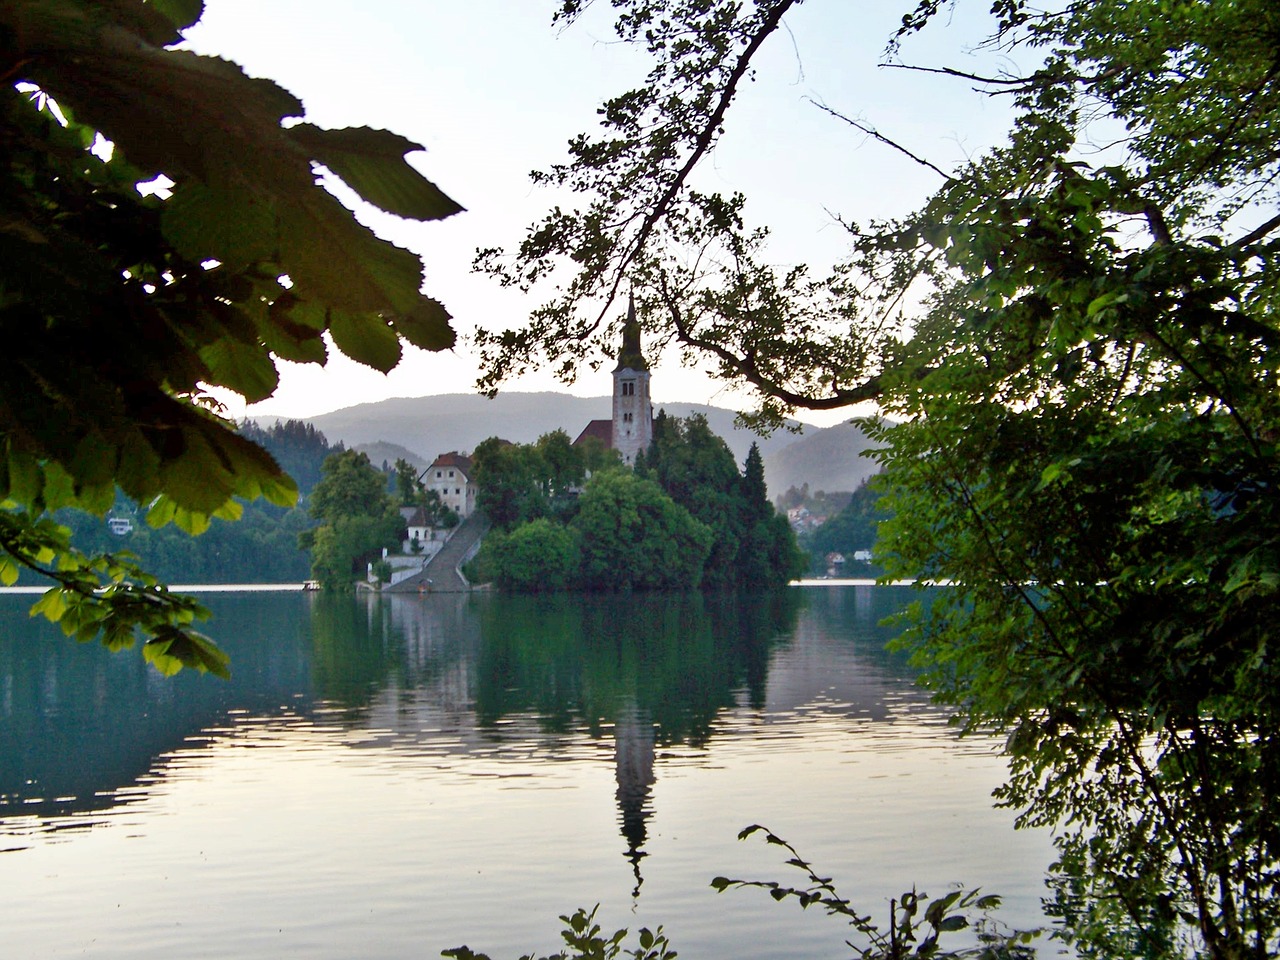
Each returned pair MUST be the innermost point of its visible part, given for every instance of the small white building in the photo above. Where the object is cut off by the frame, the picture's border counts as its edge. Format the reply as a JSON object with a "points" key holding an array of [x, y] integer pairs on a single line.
{"points": [[421, 539], [450, 475]]}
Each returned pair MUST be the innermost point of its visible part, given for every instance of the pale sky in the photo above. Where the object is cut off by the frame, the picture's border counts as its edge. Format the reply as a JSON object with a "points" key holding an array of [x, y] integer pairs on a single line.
{"points": [[493, 92]]}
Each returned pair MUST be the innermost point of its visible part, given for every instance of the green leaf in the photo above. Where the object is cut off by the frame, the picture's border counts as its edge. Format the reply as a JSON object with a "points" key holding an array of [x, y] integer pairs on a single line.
{"points": [[59, 487], [245, 368], [171, 649], [162, 511], [427, 326], [193, 522], [367, 340], [221, 222], [25, 477], [336, 261], [52, 605], [372, 163], [182, 13]]}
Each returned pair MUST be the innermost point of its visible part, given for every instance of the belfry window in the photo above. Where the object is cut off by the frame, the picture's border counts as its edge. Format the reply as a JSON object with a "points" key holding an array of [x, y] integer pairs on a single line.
{"points": [[628, 388]]}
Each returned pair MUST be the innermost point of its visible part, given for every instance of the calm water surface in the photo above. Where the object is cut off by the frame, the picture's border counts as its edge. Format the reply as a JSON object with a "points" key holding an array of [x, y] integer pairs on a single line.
{"points": [[386, 778]]}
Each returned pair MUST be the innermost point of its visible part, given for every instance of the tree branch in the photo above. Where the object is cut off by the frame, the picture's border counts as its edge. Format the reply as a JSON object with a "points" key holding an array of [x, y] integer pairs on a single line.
{"points": [[747, 368], [872, 132], [1253, 236], [702, 144], [1016, 84]]}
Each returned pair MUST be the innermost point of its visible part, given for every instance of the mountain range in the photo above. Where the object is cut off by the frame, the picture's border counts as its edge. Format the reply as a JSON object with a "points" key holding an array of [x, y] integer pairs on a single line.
{"points": [[420, 428]]}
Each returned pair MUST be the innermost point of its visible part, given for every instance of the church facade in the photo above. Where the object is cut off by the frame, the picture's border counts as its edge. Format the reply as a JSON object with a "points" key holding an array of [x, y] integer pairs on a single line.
{"points": [[631, 428]]}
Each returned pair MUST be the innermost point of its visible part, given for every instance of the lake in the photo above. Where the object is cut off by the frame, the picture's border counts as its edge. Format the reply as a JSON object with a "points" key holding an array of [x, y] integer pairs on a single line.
{"points": [[390, 777]]}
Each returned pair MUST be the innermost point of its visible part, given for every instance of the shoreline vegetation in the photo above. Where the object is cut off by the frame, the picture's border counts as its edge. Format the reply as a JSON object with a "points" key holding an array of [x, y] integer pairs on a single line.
{"points": [[569, 517]]}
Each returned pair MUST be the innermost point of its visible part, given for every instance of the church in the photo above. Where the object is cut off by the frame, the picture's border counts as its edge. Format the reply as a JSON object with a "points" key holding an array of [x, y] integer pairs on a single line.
{"points": [[631, 429]]}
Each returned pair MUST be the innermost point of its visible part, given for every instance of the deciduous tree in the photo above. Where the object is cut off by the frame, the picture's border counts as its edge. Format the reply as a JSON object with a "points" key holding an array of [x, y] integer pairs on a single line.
{"points": [[634, 536], [1080, 343], [357, 518], [119, 309]]}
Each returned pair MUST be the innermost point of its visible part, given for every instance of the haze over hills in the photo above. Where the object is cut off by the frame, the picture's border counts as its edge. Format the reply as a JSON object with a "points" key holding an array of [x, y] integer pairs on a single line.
{"points": [[829, 459], [825, 458]]}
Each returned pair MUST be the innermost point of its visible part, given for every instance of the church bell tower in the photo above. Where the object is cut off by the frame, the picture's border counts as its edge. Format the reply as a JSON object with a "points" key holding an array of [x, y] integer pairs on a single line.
{"points": [[632, 409]]}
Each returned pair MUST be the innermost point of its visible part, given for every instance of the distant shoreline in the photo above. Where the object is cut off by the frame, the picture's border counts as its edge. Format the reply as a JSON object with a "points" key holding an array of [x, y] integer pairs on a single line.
{"points": [[191, 588], [297, 587]]}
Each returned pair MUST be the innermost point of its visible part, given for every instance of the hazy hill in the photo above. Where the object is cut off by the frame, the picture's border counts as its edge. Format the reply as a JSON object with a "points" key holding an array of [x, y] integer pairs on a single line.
{"points": [[827, 459], [427, 426], [381, 451], [458, 421]]}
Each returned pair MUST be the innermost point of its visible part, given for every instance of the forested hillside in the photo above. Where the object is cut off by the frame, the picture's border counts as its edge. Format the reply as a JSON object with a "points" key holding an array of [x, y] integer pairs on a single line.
{"points": [[260, 547]]}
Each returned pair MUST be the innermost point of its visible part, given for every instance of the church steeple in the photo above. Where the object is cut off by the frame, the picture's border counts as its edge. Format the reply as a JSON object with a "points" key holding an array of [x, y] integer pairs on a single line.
{"points": [[630, 354], [632, 412]]}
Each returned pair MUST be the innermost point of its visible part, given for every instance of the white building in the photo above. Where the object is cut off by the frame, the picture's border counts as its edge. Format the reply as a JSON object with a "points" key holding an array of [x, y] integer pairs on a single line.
{"points": [[450, 476]]}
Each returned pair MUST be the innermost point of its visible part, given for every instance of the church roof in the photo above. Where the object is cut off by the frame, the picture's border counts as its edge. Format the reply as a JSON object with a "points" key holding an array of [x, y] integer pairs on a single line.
{"points": [[601, 430], [629, 354], [414, 516]]}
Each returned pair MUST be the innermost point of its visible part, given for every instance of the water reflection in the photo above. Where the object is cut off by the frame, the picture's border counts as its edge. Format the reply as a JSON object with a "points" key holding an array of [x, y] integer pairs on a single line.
{"points": [[86, 731], [81, 724], [501, 759]]}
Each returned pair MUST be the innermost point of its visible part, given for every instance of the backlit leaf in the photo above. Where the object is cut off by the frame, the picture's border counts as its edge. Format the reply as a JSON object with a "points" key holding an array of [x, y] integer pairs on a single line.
{"points": [[372, 163], [427, 326], [372, 343], [245, 368]]}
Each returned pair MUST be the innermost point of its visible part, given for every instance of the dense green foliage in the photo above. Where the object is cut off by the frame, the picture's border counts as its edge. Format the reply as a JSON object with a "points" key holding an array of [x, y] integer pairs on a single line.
{"points": [[535, 557], [358, 519], [119, 309], [1077, 340], [752, 545], [522, 482], [512, 480], [635, 537], [684, 518]]}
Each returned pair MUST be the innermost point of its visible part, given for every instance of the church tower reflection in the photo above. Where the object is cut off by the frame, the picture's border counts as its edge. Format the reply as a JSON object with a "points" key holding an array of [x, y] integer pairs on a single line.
{"points": [[633, 763]]}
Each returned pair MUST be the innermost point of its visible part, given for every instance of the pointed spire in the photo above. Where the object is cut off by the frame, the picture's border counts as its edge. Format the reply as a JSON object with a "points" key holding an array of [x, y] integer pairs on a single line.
{"points": [[630, 353]]}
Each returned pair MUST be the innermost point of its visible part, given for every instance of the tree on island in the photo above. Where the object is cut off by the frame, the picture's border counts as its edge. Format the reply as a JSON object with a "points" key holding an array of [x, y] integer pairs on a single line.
{"points": [[1081, 345], [540, 556], [120, 309], [358, 519], [693, 522], [511, 479], [752, 545], [635, 537]]}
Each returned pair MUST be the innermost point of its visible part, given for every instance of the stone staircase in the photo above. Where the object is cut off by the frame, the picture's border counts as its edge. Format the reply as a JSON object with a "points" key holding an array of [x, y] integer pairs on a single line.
{"points": [[441, 574]]}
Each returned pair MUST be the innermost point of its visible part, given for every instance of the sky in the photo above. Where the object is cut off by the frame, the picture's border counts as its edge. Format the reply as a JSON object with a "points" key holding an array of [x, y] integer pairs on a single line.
{"points": [[492, 91]]}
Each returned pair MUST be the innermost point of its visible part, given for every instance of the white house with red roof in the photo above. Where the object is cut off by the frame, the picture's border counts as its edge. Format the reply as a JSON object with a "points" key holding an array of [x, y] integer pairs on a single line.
{"points": [[451, 476]]}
